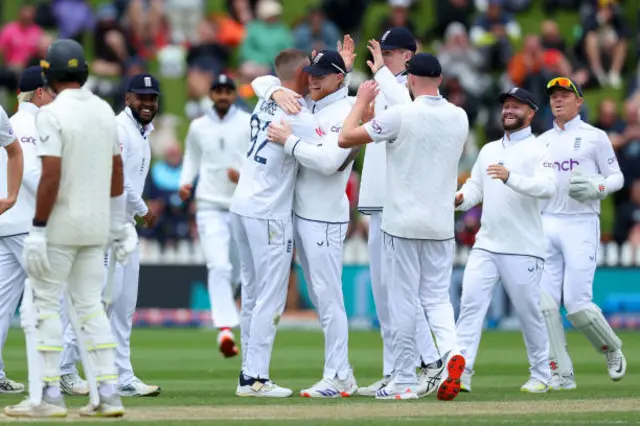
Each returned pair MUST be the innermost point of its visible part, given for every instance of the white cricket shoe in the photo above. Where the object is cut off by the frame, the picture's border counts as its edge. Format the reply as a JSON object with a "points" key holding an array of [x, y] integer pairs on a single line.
{"points": [[9, 386], [616, 364], [534, 386], [397, 391], [48, 407], [227, 344], [73, 384], [375, 387], [429, 378], [559, 382], [465, 382], [108, 407], [260, 388], [449, 387], [138, 388], [332, 388]]}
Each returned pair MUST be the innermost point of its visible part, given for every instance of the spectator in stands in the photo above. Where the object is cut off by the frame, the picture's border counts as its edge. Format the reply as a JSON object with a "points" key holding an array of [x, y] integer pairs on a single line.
{"points": [[511, 6], [73, 18], [110, 48], [19, 39], [346, 14], [493, 32], [184, 16], [316, 32], [458, 57], [551, 36], [457, 94], [604, 43], [609, 120], [550, 6], [266, 36], [43, 45], [628, 150], [628, 216], [450, 11], [162, 193], [242, 11], [147, 25], [206, 47], [398, 16]]}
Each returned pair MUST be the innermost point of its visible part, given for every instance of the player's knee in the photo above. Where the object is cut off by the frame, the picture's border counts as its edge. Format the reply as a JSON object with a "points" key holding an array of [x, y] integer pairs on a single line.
{"points": [[49, 330], [96, 326]]}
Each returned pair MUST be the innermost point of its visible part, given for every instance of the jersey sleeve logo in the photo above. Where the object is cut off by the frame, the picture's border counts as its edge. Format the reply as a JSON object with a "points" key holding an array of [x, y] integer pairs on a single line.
{"points": [[375, 125]]}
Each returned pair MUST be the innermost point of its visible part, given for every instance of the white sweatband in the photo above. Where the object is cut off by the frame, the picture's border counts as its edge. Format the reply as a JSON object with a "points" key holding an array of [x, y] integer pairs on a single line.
{"points": [[118, 205]]}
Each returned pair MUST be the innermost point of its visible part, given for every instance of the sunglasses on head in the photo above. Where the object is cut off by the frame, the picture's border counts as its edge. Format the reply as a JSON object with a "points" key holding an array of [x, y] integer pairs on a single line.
{"points": [[563, 82]]}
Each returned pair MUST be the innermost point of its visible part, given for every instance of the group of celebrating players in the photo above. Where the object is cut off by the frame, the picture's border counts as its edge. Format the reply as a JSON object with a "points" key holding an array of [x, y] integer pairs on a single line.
{"points": [[275, 180]]}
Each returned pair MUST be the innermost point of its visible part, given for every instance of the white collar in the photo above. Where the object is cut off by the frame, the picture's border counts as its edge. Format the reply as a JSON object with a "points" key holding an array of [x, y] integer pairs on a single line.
{"points": [[213, 114], [339, 94], [28, 107], [569, 125], [517, 136], [432, 100]]}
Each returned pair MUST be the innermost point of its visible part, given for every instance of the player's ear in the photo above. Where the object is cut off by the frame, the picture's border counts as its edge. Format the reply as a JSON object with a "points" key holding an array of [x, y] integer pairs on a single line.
{"points": [[128, 98]]}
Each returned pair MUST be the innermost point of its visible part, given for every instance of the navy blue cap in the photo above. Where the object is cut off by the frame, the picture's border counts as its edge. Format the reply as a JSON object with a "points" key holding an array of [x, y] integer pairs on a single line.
{"points": [[521, 95], [143, 84], [398, 38], [31, 79], [223, 80], [326, 62], [424, 65]]}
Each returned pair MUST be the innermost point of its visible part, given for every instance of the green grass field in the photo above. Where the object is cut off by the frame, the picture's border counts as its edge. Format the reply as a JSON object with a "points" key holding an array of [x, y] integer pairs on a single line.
{"points": [[199, 386]]}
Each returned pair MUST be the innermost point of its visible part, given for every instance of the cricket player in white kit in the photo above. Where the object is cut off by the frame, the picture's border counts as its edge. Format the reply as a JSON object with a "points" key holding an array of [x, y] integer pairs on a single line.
{"points": [[262, 226], [79, 209], [587, 171], [16, 222], [216, 148], [424, 140], [134, 127], [397, 45], [510, 177], [321, 215]]}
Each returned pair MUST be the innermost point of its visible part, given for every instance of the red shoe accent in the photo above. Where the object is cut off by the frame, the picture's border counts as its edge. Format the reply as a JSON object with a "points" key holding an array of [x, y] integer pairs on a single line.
{"points": [[450, 388], [306, 395]]}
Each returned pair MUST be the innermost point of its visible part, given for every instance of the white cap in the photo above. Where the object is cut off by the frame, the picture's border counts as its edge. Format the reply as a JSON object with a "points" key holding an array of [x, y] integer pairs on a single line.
{"points": [[268, 9], [454, 29]]}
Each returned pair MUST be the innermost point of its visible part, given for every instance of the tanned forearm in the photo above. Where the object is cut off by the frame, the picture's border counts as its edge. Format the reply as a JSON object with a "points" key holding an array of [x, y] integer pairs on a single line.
{"points": [[117, 177], [48, 188], [350, 123], [15, 169]]}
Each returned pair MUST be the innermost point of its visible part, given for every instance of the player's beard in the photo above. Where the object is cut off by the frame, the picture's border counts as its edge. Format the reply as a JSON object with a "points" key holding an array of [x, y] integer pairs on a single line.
{"points": [[517, 124], [139, 119], [222, 108]]}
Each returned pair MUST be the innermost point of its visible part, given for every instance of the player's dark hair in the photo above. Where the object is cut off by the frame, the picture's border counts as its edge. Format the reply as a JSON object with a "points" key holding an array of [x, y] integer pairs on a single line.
{"points": [[287, 63]]}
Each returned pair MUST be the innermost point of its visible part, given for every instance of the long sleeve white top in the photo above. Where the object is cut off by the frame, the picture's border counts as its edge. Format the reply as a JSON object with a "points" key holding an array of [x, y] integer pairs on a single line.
{"points": [[511, 221], [213, 146], [17, 220], [136, 158], [584, 148], [320, 187], [393, 91]]}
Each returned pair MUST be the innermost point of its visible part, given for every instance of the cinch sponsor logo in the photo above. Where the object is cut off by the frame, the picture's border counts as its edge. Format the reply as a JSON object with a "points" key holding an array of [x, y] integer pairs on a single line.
{"points": [[563, 166]]}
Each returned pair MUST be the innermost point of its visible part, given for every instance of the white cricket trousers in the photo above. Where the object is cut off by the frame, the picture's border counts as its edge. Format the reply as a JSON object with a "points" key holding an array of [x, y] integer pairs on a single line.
{"points": [[12, 278], [124, 298], [520, 276], [81, 271], [266, 250], [219, 249], [426, 349], [319, 248], [418, 270]]}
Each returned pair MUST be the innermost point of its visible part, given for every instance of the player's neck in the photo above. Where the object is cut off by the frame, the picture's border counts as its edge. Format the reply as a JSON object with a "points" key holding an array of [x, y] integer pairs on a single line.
{"points": [[562, 122], [67, 85]]}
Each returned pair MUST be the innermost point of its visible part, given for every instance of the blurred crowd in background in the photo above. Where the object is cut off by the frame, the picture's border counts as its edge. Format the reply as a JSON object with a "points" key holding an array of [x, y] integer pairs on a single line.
{"points": [[480, 44]]}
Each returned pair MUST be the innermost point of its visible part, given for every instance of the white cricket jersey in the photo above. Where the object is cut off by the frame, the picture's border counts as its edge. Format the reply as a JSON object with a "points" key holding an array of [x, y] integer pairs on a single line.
{"points": [[136, 158], [320, 193], [6, 131], [268, 175], [580, 146], [511, 222], [17, 220], [393, 91], [424, 140], [215, 145], [80, 128]]}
